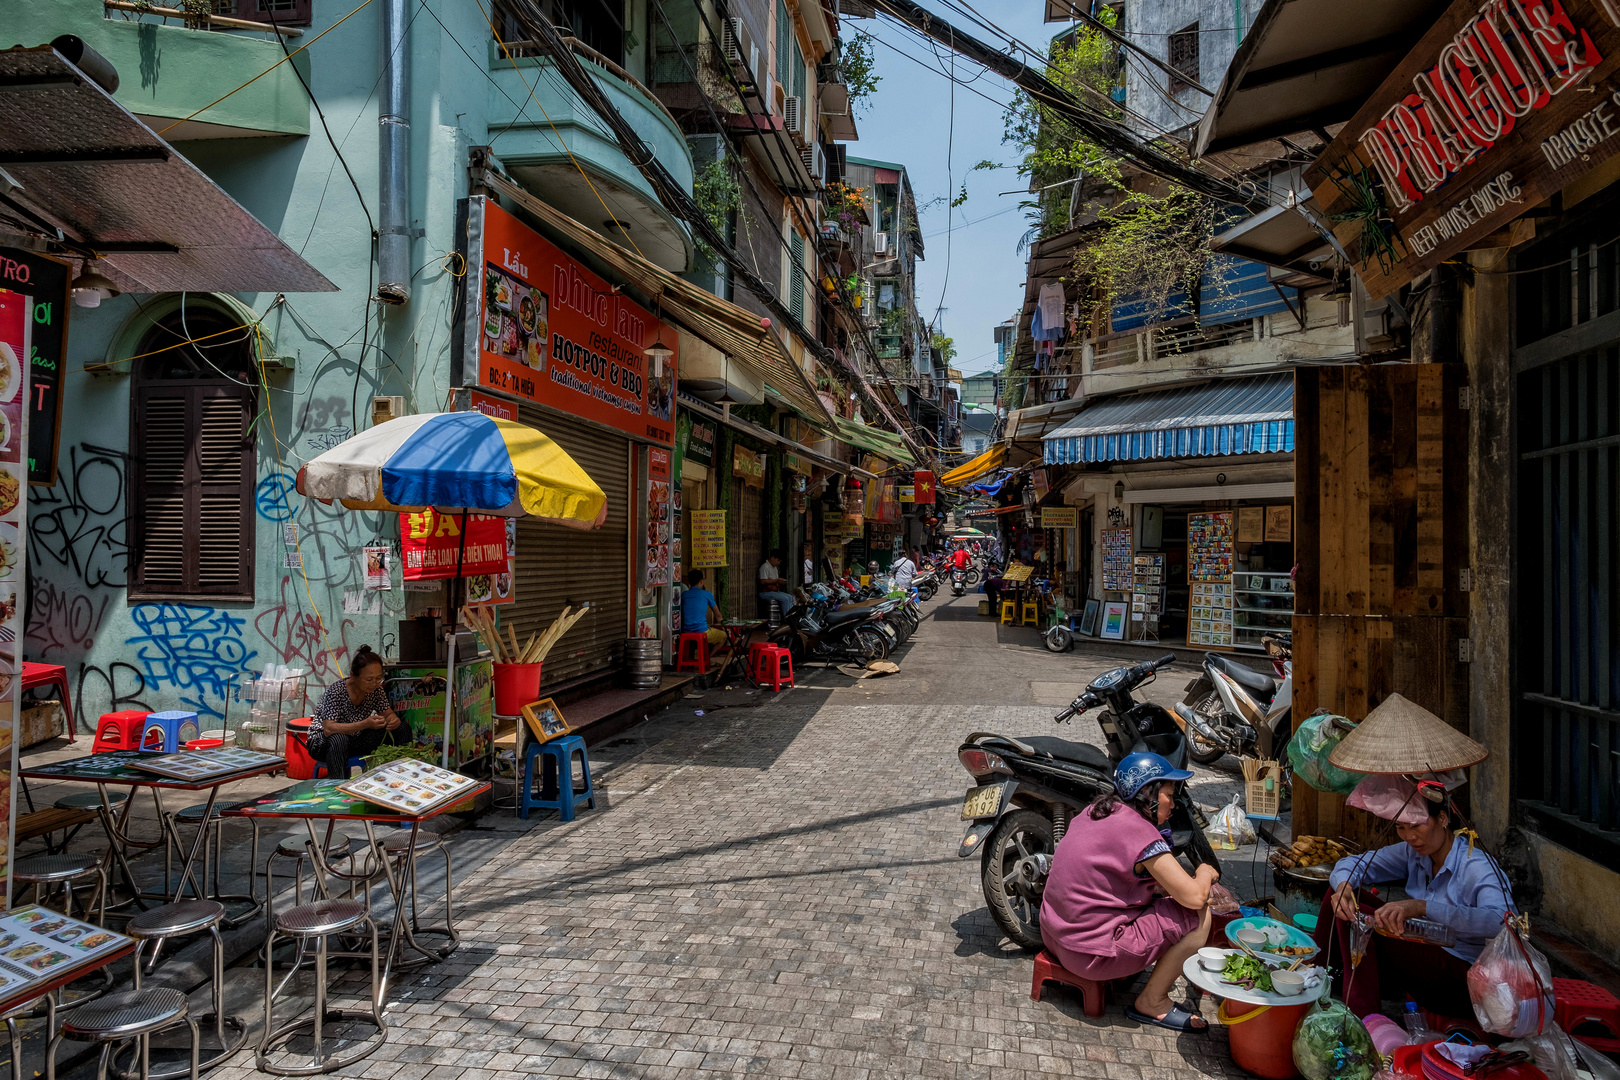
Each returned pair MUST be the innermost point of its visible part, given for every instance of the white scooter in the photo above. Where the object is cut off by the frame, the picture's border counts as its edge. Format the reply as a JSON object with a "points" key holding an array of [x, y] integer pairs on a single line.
{"points": [[1232, 709]]}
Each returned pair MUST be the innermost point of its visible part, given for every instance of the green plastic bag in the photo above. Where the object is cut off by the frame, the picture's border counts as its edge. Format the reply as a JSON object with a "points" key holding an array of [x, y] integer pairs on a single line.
{"points": [[1308, 753], [1331, 1043]]}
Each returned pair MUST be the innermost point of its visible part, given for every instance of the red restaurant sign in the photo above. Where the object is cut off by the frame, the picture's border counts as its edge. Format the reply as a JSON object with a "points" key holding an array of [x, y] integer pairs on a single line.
{"points": [[429, 542], [1498, 106], [540, 327]]}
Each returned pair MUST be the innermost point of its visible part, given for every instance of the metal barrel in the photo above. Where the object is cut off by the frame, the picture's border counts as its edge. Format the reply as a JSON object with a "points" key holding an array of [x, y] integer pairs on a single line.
{"points": [[644, 661]]}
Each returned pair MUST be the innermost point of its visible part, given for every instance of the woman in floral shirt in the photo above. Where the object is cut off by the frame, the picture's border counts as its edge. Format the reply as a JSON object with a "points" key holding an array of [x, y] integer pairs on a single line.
{"points": [[353, 716]]}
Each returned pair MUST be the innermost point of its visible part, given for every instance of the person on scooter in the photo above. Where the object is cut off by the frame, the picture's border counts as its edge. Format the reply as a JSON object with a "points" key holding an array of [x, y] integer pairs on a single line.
{"points": [[1117, 900], [960, 558]]}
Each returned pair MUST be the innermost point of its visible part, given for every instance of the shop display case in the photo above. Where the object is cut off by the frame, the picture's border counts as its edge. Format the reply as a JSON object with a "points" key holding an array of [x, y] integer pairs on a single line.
{"points": [[1264, 605]]}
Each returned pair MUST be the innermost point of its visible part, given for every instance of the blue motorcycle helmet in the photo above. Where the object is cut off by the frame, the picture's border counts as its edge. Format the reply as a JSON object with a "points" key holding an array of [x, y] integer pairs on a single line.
{"points": [[1136, 771]]}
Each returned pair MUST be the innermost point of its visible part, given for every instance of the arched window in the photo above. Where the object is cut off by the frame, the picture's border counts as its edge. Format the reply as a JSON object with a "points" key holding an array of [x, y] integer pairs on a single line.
{"points": [[194, 400]]}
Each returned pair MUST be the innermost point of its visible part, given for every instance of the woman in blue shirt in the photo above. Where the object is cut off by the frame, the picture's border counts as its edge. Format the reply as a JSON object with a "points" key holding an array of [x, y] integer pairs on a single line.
{"points": [[1447, 879]]}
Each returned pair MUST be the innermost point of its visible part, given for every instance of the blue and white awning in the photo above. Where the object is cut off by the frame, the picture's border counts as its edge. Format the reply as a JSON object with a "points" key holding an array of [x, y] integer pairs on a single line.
{"points": [[1227, 416]]}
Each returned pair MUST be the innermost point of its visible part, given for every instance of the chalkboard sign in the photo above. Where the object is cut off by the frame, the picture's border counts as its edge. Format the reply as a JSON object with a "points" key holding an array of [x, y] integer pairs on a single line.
{"points": [[45, 280]]}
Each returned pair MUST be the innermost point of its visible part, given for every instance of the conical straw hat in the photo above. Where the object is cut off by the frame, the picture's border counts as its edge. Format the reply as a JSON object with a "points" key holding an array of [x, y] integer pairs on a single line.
{"points": [[1402, 737]]}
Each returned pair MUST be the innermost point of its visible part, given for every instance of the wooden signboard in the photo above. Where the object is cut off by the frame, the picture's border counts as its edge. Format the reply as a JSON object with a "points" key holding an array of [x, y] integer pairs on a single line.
{"points": [[1501, 104]]}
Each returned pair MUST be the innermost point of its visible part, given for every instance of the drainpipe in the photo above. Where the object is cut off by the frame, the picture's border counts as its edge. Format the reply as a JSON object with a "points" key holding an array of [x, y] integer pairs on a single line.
{"points": [[394, 156]]}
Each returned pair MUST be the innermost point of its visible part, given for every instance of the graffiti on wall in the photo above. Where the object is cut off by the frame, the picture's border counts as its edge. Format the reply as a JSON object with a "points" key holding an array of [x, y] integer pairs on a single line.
{"points": [[298, 637], [196, 651], [78, 530]]}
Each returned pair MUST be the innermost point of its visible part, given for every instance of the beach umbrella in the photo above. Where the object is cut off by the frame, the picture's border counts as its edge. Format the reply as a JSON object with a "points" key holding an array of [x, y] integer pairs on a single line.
{"points": [[457, 463]]}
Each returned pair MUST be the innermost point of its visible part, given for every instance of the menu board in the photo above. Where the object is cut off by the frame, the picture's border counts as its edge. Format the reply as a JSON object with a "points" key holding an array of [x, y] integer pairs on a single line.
{"points": [[37, 945], [1209, 613], [1116, 554], [1209, 546], [18, 318], [659, 527], [708, 538], [1147, 597], [409, 787], [206, 764]]}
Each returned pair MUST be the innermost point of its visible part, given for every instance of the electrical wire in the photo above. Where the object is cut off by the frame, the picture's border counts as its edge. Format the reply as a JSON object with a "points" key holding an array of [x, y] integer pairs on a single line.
{"points": [[267, 70], [950, 206]]}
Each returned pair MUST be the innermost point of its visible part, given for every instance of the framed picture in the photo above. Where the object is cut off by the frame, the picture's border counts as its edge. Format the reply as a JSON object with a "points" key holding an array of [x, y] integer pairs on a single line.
{"points": [[1279, 524], [1114, 613], [545, 720], [1088, 621]]}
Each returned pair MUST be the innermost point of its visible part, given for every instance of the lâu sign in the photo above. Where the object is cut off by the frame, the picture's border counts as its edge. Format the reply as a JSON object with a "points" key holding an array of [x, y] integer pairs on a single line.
{"points": [[1499, 105]]}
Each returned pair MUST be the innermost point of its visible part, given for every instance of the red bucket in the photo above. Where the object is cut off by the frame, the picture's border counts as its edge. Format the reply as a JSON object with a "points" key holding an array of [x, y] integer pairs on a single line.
{"points": [[205, 744], [516, 685]]}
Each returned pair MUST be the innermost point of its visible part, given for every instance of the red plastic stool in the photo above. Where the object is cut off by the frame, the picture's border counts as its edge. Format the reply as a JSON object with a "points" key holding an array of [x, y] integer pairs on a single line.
{"points": [[1093, 994], [119, 731], [695, 659], [771, 662], [1583, 1003], [756, 652]]}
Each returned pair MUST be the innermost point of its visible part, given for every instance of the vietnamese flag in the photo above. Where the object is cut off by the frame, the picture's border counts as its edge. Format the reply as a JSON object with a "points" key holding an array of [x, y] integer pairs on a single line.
{"points": [[924, 483]]}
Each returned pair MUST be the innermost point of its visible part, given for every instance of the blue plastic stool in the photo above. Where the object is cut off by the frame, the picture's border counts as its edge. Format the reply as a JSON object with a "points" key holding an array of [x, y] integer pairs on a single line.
{"points": [[177, 729], [557, 792], [320, 766]]}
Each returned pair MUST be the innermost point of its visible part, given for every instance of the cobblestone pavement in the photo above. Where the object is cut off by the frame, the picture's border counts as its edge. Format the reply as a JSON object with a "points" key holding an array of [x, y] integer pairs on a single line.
{"points": [[775, 891]]}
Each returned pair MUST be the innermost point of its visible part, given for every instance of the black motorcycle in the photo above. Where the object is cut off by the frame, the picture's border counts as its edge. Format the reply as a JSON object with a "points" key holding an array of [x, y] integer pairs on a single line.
{"points": [[814, 631], [1030, 788]]}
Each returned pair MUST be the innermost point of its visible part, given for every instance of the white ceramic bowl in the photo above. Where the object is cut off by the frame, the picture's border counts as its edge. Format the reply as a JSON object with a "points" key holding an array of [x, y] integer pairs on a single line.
{"points": [[1211, 959], [1288, 983], [1251, 937]]}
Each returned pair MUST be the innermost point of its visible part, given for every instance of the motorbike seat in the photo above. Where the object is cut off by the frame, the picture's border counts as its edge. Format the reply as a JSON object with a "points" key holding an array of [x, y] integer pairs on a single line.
{"points": [[1078, 752], [844, 615], [1263, 687]]}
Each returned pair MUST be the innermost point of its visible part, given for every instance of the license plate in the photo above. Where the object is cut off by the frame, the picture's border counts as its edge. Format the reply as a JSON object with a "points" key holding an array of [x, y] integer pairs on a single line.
{"points": [[981, 802]]}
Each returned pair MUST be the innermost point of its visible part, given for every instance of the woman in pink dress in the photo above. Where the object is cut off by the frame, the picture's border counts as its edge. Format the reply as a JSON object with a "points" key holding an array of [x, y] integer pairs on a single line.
{"points": [[1117, 900]]}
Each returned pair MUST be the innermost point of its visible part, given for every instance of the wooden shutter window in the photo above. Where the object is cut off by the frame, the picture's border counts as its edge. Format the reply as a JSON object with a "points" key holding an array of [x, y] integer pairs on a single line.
{"points": [[193, 491]]}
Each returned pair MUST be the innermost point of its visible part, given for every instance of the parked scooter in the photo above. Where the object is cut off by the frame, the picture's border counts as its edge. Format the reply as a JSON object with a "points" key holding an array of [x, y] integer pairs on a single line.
{"points": [[926, 583], [814, 631], [959, 582], [1030, 788], [1232, 709]]}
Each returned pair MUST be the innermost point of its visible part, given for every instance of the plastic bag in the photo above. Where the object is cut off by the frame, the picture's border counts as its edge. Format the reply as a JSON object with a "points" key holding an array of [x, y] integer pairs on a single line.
{"points": [[1511, 987], [1230, 827], [1308, 752], [1331, 1042], [1221, 900], [1555, 1054], [1393, 798]]}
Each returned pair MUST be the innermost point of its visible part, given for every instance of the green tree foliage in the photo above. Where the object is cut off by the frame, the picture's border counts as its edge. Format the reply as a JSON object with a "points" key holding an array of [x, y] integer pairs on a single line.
{"points": [[718, 194], [1149, 237], [945, 345], [860, 74]]}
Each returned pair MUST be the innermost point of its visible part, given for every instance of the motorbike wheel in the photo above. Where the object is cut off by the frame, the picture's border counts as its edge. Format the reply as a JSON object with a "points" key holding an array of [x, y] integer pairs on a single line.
{"points": [[973, 575], [871, 644], [927, 591], [1013, 904], [1198, 748], [1059, 639]]}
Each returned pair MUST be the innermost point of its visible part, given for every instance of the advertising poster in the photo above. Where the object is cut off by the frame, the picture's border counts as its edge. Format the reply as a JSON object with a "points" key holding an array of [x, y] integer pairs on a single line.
{"points": [[658, 527], [15, 337], [1060, 517], [543, 328], [748, 465], [45, 282], [708, 538], [417, 697], [430, 543], [832, 528]]}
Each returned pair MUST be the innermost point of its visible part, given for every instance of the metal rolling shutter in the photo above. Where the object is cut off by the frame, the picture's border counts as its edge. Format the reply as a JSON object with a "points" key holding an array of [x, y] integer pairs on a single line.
{"points": [[557, 566]]}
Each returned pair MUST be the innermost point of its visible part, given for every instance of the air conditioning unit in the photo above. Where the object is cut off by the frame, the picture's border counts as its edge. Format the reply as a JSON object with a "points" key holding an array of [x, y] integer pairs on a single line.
{"points": [[793, 114], [815, 162], [880, 243], [731, 40]]}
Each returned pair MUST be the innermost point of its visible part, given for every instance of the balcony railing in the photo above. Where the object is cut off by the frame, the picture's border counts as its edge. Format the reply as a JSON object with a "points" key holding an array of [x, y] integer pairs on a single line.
{"points": [[197, 20]]}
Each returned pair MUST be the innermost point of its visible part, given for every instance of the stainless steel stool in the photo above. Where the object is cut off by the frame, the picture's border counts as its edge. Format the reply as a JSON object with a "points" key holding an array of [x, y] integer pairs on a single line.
{"points": [[28, 1010], [397, 846], [44, 872], [296, 846], [116, 1018], [316, 922], [180, 920]]}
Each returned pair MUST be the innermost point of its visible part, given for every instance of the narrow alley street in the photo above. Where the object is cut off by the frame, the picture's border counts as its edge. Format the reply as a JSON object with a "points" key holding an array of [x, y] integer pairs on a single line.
{"points": [[775, 891]]}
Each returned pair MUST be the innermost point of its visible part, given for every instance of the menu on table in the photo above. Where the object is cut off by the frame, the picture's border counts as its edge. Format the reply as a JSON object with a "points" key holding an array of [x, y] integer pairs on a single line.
{"points": [[37, 944], [1116, 553], [409, 787], [205, 764]]}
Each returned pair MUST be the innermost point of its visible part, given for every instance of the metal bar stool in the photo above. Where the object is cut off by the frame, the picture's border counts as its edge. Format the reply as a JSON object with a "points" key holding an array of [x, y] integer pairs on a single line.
{"points": [[28, 1010], [45, 871], [296, 846], [180, 920], [116, 1018], [213, 852], [317, 922]]}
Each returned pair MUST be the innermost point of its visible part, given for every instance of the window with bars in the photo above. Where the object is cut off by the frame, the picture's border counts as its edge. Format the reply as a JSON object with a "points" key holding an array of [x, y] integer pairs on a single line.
{"points": [[193, 461], [797, 279], [1184, 58], [281, 12]]}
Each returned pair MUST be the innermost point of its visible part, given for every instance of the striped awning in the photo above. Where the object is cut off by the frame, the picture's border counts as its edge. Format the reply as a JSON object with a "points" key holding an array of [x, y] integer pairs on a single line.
{"points": [[1227, 416], [986, 462]]}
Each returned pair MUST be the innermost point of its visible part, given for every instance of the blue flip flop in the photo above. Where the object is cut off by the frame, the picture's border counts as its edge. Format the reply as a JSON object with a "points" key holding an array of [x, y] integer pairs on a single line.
{"points": [[1177, 1019]]}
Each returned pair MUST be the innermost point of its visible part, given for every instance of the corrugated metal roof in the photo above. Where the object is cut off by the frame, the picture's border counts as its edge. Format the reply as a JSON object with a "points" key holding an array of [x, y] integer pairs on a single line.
{"points": [[86, 164], [1229, 416]]}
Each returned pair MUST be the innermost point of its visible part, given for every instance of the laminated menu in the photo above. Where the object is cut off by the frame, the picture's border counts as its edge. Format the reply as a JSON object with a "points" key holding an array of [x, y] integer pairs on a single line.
{"points": [[409, 787], [37, 945], [196, 765], [204, 765]]}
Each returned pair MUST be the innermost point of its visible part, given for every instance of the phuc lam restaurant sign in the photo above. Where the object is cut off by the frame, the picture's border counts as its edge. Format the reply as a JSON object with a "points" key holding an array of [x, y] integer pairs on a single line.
{"points": [[1498, 106]]}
